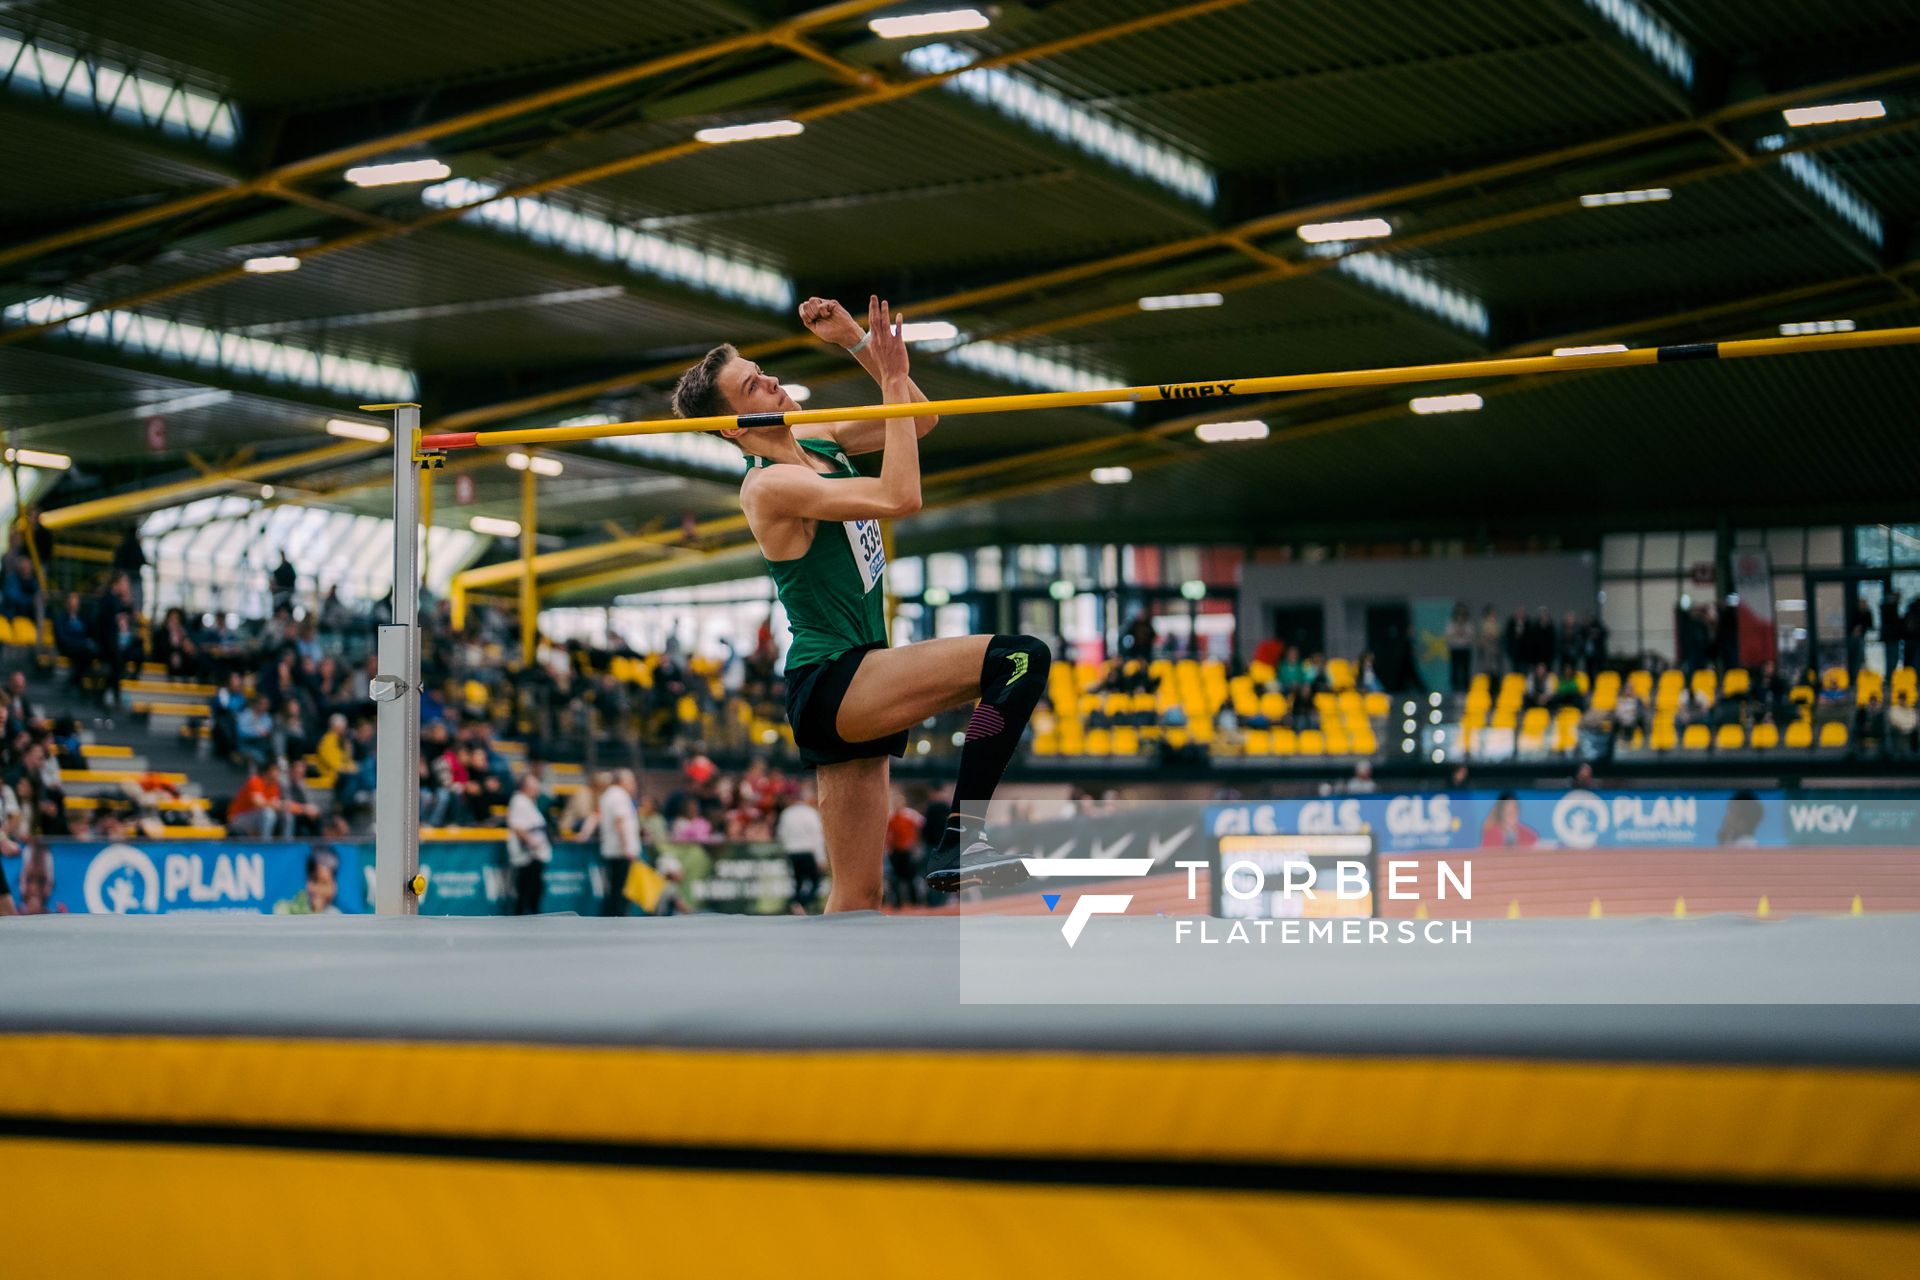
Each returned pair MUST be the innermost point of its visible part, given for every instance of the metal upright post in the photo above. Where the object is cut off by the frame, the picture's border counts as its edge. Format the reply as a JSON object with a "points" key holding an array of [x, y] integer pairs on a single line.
{"points": [[396, 690]]}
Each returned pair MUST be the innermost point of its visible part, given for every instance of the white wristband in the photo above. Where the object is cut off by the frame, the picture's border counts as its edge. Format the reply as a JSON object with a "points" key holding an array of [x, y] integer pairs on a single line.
{"points": [[861, 345]]}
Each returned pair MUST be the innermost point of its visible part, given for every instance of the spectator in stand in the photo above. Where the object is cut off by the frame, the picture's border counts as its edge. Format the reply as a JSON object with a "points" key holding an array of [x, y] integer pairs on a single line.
{"points": [[1869, 725], [1514, 642], [299, 811], [1570, 642], [1487, 646], [1362, 783], [1291, 673], [174, 647], [284, 579], [1628, 715], [1910, 633], [73, 640], [619, 822], [903, 851], [229, 702], [529, 850], [1366, 678], [1893, 629], [801, 835], [130, 560], [1540, 685], [1460, 639], [255, 808], [1595, 649], [337, 761], [1858, 624], [1903, 726], [253, 732], [1543, 642], [21, 711], [1566, 690], [19, 588]]}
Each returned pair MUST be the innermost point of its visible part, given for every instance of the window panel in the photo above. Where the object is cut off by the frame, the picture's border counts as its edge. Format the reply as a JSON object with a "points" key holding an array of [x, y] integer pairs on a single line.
{"points": [[1660, 553], [1698, 548], [1825, 548], [1870, 545], [1620, 610], [1787, 548]]}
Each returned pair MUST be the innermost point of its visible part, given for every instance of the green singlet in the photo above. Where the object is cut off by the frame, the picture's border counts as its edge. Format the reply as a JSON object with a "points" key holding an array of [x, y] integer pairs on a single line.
{"points": [[834, 593]]}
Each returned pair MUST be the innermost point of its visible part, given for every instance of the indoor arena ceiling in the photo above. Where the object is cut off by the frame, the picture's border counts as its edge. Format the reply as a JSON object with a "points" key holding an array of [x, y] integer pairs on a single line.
{"points": [[1029, 183]]}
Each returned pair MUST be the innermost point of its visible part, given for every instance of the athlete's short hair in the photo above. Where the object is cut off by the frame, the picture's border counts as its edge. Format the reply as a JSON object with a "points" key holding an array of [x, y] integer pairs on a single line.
{"points": [[698, 394]]}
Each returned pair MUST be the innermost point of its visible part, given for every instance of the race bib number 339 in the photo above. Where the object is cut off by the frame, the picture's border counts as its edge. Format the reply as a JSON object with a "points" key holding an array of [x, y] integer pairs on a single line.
{"points": [[868, 553]]}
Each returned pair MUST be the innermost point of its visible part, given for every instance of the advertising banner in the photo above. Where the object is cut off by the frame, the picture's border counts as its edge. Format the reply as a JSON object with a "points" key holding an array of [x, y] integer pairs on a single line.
{"points": [[157, 877]]}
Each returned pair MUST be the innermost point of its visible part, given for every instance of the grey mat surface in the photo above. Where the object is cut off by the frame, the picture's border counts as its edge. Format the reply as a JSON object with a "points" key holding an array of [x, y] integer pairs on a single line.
{"points": [[1528, 988]]}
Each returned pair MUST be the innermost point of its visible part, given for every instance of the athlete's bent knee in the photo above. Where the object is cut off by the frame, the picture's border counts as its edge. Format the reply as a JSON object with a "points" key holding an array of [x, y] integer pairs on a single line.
{"points": [[1015, 667]]}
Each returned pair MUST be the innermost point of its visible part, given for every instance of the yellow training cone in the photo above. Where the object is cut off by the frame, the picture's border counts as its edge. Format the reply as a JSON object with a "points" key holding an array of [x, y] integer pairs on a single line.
{"points": [[1679, 908], [1857, 908], [1764, 910], [1593, 909], [1513, 909]]}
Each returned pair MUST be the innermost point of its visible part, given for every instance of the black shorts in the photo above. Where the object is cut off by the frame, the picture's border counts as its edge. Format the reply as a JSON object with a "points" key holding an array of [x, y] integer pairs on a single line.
{"points": [[814, 693]]}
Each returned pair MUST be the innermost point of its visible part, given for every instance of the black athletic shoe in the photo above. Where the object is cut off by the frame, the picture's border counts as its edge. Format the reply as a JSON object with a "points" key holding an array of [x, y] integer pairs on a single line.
{"points": [[963, 863]]}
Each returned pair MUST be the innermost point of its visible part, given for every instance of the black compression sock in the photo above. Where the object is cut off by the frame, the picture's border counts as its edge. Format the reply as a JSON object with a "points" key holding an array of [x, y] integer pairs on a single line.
{"points": [[1012, 681]]}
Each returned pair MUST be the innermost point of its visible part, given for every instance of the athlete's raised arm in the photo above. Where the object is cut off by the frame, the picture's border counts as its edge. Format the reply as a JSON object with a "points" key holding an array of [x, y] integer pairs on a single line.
{"points": [[830, 322], [772, 493]]}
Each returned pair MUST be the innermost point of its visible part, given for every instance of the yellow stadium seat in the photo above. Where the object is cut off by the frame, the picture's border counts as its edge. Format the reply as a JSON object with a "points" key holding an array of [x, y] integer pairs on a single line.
{"points": [[1606, 690], [1696, 737], [1262, 672], [1641, 682], [1566, 728], [1800, 695], [1765, 737], [1833, 734], [1246, 702], [1126, 741], [1284, 742], [1364, 743], [1046, 744], [1273, 706], [1311, 743], [1663, 737], [1868, 686], [1705, 684], [688, 710], [1799, 736], [1834, 678], [1177, 738], [1378, 704], [1533, 729], [1339, 674], [1337, 744], [1259, 742], [1666, 693], [1506, 718], [1099, 742], [20, 632], [1738, 682], [1906, 679], [1730, 737]]}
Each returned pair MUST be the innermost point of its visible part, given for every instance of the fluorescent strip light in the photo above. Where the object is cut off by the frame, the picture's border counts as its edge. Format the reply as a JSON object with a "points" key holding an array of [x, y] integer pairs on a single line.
{"points": [[1357, 229], [38, 458], [544, 222], [750, 132], [391, 175], [268, 266], [1010, 364], [1645, 196], [88, 82], [1380, 272], [1653, 36], [928, 24], [1816, 326], [494, 527], [347, 428], [1226, 432], [1045, 110], [929, 331], [1835, 113], [1181, 301], [798, 393], [1604, 349], [1819, 177], [138, 334], [1446, 404], [535, 463], [1112, 475]]}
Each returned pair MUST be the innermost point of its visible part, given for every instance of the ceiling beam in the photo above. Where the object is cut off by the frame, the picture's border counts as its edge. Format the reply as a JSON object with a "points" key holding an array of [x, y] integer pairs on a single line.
{"points": [[265, 184], [175, 493], [594, 173], [974, 297]]}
